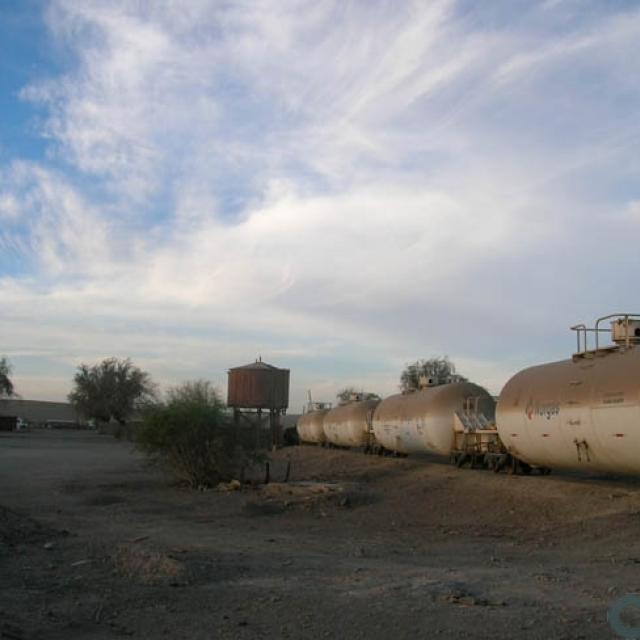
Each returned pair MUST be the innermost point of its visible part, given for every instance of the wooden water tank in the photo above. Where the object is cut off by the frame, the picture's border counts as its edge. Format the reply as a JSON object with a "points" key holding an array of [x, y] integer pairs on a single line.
{"points": [[258, 386]]}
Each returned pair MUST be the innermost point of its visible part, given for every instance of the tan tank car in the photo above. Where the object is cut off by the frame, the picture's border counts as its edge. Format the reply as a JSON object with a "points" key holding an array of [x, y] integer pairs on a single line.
{"points": [[310, 426], [423, 421], [349, 425], [580, 413]]}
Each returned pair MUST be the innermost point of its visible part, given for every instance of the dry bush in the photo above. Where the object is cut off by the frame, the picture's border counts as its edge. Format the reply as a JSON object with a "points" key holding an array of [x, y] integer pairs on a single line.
{"points": [[191, 436]]}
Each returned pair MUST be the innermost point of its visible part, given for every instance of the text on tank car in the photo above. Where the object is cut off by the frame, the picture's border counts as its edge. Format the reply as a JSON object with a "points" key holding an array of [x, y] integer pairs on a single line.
{"points": [[613, 397], [542, 410]]}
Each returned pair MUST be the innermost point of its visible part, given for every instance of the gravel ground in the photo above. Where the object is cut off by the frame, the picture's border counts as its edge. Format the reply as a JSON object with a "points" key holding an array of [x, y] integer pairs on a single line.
{"points": [[95, 545]]}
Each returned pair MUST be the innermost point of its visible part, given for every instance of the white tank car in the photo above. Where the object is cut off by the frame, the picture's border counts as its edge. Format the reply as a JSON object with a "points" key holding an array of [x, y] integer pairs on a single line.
{"points": [[349, 425], [310, 426], [423, 421], [581, 413]]}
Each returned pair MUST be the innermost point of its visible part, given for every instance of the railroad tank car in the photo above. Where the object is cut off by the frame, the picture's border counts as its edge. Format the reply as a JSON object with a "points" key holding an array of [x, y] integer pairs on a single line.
{"points": [[349, 425], [423, 421], [580, 413], [310, 426]]}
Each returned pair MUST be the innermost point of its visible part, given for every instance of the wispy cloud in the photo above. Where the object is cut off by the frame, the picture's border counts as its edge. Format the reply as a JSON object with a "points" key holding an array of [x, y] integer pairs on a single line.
{"points": [[608, 35], [340, 186]]}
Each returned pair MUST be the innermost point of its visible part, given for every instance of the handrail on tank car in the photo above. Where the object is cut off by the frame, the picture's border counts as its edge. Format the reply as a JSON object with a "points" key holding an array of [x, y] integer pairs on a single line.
{"points": [[578, 328], [582, 328]]}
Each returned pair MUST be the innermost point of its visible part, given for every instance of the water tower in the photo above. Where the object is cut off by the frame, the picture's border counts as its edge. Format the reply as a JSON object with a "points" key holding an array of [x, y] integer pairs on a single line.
{"points": [[259, 388]]}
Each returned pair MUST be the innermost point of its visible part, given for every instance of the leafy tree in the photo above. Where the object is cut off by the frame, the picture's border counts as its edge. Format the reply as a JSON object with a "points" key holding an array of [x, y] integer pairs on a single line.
{"points": [[192, 436], [345, 394], [6, 386], [113, 388], [438, 369]]}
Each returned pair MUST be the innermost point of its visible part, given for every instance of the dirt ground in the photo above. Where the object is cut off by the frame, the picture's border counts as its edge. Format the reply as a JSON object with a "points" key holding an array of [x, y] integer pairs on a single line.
{"points": [[95, 545]]}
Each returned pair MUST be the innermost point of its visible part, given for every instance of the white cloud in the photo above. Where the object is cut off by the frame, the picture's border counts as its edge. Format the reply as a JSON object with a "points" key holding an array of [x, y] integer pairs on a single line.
{"points": [[633, 210], [343, 186], [525, 63], [9, 206], [56, 226], [609, 35]]}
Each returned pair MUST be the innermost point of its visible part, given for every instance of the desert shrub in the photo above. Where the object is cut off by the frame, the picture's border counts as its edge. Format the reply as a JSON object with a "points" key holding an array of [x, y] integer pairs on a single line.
{"points": [[191, 436]]}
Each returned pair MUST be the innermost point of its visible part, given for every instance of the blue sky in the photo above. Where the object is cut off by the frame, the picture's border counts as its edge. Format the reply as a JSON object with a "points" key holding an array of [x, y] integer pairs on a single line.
{"points": [[340, 187]]}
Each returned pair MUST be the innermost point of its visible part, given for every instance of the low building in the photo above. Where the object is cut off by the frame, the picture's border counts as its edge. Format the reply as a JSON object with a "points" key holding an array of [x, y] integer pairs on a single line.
{"points": [[41, 413]]}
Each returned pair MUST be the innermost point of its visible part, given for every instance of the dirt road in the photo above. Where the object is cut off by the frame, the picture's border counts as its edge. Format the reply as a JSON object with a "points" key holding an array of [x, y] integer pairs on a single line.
{"points": [[94, 545]]}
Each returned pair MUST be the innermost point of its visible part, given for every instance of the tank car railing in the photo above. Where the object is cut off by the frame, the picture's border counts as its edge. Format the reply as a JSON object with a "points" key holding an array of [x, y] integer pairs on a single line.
{"points": [[471, 418], [579, 329], [583, 330]]}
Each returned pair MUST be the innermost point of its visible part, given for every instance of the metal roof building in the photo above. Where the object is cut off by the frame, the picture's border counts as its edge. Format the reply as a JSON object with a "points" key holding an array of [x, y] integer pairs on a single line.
{"points": [[38, 412]]}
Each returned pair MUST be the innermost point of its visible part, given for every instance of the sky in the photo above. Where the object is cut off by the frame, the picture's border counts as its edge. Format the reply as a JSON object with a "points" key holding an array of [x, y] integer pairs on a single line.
{"points": [[340, 187]]}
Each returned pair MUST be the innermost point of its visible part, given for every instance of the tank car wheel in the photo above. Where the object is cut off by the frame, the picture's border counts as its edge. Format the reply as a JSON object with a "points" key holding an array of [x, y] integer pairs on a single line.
{"points": [[462, 458], [500, 463], [512, 466], [525, 468]]}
